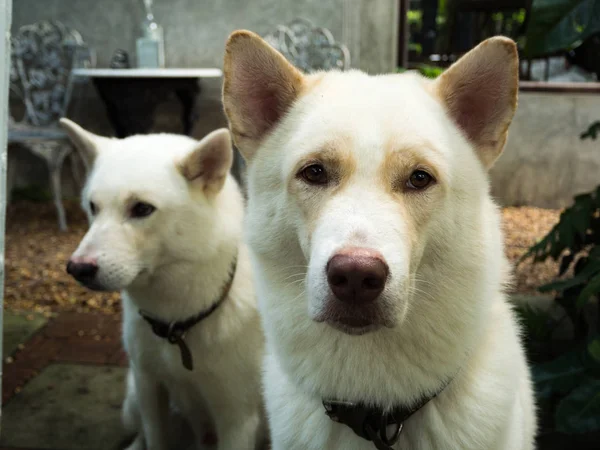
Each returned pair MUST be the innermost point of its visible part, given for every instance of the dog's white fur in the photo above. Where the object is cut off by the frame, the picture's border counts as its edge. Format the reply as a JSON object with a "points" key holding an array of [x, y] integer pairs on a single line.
{"points": [[174, 264], [444, 311]]}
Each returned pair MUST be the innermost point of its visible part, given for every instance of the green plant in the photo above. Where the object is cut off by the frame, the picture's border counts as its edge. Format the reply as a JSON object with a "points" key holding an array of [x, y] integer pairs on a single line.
{"points": [[430, 71], [414, 17], [557, 25], [592, 131], [567, 377], [425, 70]]}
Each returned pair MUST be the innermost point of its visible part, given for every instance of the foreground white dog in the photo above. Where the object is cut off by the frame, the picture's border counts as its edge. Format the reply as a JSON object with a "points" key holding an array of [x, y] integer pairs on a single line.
{"points": [[166, 220], [378, 252]]}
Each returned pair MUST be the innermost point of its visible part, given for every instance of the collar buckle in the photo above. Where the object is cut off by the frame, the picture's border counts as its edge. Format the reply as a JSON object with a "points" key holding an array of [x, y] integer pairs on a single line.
{"points": [[175, 334], [380, 436]]}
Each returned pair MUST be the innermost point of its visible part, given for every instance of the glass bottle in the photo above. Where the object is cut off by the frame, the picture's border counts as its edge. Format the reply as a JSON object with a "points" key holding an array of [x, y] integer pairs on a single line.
{"points": [[150, 45]]}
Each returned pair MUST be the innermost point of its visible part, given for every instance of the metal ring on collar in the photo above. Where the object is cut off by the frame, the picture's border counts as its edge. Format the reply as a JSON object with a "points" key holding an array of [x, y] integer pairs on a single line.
{"points": [[174, 335]]}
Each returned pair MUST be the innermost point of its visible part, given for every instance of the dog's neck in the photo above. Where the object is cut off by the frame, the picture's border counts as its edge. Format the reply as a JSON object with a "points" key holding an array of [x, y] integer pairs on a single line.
{"points": [[182, 289]]}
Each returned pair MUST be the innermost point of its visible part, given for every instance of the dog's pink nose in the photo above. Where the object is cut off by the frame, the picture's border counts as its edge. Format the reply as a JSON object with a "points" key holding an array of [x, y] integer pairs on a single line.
{"points": [[82, 269], [357, 275]]}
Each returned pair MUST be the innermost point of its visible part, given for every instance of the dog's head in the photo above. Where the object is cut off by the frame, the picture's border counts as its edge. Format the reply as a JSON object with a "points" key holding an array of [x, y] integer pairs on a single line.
{"points": [[363, 186], [151, 201]]}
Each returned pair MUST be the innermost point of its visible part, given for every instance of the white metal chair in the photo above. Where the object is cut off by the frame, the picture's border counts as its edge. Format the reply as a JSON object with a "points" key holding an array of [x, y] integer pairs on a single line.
{"points": [[308, 47], [42, 59]]}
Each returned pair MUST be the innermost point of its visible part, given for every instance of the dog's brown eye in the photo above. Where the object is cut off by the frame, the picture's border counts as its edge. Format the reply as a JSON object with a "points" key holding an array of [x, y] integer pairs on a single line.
{"points": [[141, 209], [93, 208], [314, 174], [419, 180]]}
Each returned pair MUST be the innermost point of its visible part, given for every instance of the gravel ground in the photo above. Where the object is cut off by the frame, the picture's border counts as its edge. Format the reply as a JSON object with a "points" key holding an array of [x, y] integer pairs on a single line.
{"points": [[37, 253]]}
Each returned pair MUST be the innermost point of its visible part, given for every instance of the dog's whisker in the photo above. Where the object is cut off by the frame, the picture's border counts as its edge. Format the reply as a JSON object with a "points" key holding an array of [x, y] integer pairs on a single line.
{"points": [[415, 290], [293, 283], [293, 276], [303, 292], [286, 268], [421, 280]]}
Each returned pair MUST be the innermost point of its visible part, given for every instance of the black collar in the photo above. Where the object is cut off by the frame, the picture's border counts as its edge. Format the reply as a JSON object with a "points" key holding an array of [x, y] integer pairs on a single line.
{"points": [[175, 331], [373, 424]]}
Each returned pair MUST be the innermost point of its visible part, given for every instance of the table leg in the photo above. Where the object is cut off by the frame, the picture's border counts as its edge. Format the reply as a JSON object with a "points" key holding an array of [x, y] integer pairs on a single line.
{"points": [[111, 109], [187, 97], [130, 104]]}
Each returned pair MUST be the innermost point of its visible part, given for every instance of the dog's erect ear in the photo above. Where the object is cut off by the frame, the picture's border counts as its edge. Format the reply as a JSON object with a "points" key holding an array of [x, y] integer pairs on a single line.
{"points": [[210, 161], [259, 87], [480, 94], [85, 141]]}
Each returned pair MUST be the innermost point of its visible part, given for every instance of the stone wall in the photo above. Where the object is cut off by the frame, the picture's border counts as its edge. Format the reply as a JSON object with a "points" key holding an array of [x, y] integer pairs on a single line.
{"points": [[545, 164]]}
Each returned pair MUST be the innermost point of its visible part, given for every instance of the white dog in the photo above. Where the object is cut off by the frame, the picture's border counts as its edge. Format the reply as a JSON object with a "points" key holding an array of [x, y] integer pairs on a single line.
{"points": [[378, 252], [166, 227]]}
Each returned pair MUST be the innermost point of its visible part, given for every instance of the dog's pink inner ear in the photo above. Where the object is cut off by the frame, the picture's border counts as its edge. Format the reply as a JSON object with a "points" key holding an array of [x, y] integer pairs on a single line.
{"points": [[265, 104], [472, 107], [271, 108], [259, 87], [480, 94], [209, 163]]}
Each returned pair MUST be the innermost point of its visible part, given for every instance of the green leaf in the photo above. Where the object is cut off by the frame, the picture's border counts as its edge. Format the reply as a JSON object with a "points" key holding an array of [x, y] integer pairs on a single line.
{"points": [[557, 25], [582, 218], [592, 288], [560, 375], [561, 285], [579, 412], [582, 198], [594, 349], [592, 132], [571, 231], [594, 254], [590, 270], [565, 262], [537, 323], [590, 357]]}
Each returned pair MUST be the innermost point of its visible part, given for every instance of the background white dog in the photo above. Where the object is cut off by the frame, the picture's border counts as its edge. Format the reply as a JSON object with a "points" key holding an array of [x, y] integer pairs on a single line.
{"points": [[166, 219], [378, 251]]}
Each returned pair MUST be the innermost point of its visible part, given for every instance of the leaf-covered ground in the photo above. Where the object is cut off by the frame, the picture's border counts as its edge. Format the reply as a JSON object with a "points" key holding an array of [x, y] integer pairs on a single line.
{"points": [[37, 253]]}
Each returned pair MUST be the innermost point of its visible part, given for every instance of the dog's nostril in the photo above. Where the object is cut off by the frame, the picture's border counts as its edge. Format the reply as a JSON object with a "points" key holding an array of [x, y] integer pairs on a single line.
{"points": [[82, 271], [373, 283], [338, 280]]}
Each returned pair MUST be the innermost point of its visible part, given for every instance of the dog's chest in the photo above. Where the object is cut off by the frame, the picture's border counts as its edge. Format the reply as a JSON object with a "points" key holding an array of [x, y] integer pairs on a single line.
{"points": [[163, 361]]}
